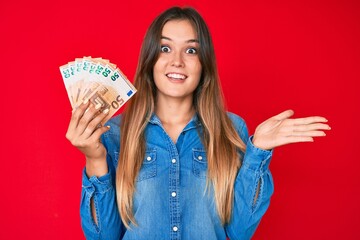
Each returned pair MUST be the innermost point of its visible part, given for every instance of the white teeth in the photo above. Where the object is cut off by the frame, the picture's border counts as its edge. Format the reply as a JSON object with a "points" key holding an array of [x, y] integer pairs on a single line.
{"points": [[176, 75]]}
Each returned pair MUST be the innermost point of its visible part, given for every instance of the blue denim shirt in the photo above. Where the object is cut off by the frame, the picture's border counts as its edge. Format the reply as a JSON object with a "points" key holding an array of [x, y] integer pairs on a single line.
{"points": [[170, 201]]}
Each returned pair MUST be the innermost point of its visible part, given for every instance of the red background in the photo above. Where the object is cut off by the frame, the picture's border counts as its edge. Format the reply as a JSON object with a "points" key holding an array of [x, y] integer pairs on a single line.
{"points": [[272, 55]]}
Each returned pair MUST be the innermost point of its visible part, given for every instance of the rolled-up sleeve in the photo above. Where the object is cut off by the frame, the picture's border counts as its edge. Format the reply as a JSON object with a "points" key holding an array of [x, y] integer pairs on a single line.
{"points": [[102, 191], [108, 220], [252, 190]]}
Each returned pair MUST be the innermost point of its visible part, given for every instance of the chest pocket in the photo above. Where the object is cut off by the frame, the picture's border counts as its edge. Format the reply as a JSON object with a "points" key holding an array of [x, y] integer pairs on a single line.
{"points": [[148, 168], [199, 163]]}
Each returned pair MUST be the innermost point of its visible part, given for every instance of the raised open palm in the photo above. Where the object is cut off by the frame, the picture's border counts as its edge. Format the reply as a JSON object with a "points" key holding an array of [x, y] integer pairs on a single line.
{"points": [[281, 129]]}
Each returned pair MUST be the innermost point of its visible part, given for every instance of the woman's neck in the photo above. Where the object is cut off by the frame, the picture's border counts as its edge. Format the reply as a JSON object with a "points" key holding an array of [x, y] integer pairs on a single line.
{"points": [[174, 111]]}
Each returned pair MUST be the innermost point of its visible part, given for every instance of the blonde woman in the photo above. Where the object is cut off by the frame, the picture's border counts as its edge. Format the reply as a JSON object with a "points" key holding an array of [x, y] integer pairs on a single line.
{"points": [[175, 164]]}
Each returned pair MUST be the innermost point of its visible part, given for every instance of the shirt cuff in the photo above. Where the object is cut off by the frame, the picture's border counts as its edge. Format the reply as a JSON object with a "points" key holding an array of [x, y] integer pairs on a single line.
{"points": [[97, 184], [256, 158]]}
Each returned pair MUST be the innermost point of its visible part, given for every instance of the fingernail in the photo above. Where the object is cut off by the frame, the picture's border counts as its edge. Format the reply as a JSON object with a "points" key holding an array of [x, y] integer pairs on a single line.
{"points": [[108, 127], [98, 106], [85, 101], [106, 111]]}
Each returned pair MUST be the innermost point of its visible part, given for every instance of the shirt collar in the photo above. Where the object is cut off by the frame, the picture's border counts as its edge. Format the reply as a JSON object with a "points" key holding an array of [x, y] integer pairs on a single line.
{"points": [[193, 123]]}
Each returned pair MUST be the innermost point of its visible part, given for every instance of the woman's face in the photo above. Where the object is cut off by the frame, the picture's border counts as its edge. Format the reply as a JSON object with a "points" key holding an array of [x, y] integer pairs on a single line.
{"points": [[177, 71]]}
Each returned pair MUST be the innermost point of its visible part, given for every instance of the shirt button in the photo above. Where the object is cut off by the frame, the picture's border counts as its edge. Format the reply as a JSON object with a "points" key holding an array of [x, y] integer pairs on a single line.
{"points": [[175, 229], [173, 160], [148, 158], [173, 194], [200, 157]]}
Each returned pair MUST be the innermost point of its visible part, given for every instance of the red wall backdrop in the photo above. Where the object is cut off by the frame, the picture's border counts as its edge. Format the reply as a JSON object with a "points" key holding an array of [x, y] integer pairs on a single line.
{"points": [[272, 55]]}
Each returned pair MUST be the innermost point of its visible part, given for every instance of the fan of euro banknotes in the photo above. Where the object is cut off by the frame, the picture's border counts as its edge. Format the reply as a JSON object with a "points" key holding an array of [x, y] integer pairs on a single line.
{"points": [[96, 80]]}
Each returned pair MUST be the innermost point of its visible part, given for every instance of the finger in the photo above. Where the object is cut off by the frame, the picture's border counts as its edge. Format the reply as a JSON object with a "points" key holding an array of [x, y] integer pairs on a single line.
{"points": [[311, 127], [90, 113], [284, 115], [308, 134], [95, 137], [309, 120], [295, 139], [95, 123], [106, 119], [76, 116]]}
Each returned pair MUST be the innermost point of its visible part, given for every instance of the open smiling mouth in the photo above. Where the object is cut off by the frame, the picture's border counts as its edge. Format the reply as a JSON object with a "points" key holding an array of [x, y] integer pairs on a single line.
{"points": [[176, 76]]}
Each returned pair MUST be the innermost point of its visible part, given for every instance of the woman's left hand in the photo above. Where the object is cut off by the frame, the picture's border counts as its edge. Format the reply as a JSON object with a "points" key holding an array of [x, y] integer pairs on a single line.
{"points": [[281, 130]]}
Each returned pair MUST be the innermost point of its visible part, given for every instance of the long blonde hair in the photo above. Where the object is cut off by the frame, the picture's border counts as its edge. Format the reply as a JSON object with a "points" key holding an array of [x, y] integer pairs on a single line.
{"points": [[220, 139]]}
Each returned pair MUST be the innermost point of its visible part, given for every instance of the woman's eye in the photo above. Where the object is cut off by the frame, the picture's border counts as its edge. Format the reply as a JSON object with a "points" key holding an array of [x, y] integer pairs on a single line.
{"points": [[191, 51], [165, 49]]}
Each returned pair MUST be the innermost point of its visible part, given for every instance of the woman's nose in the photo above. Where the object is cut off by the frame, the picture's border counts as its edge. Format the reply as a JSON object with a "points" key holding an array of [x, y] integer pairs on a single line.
{"points": [[177, 60]]}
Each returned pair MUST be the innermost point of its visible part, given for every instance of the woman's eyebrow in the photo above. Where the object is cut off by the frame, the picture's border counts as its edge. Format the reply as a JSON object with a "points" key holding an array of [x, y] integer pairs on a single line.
{"points": [[188, 41], [192, 40]]}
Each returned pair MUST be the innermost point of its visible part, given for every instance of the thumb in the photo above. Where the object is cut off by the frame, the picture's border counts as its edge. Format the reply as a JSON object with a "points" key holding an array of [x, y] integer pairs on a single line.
{"points": [[284, 115], [98, 132], [104, 129]]}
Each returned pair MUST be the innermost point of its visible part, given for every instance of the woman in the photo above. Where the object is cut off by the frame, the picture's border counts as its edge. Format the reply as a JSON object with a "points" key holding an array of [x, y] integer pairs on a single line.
{"points": [[187, 169]]}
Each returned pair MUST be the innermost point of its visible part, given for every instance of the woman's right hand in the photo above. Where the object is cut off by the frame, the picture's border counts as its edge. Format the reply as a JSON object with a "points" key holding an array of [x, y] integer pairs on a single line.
{"points": [[84, 133]]}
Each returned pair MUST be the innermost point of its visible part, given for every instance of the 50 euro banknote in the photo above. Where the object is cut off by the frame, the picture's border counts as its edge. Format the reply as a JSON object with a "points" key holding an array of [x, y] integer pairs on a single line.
{"points": [[98, 81]]}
